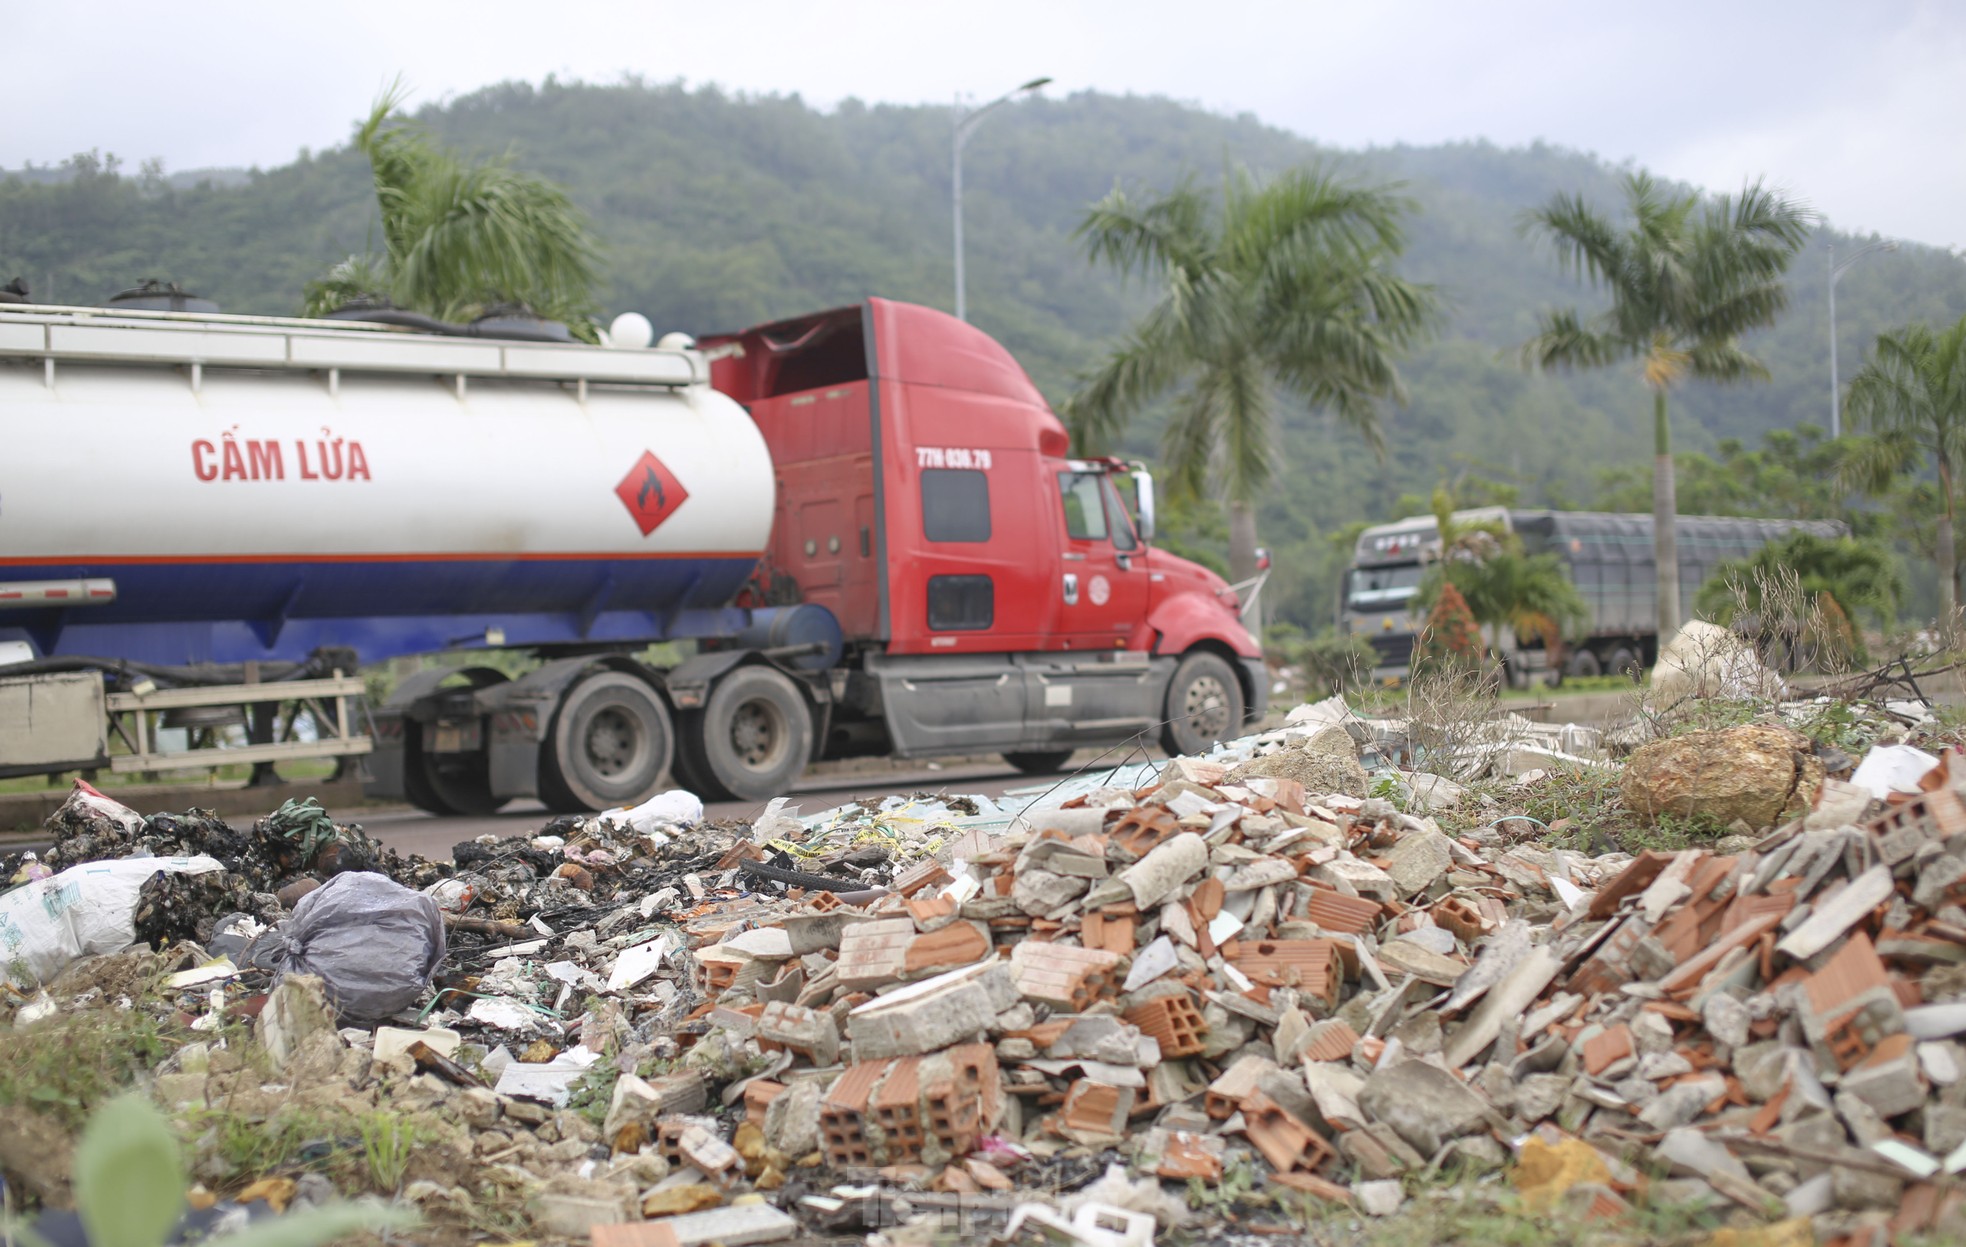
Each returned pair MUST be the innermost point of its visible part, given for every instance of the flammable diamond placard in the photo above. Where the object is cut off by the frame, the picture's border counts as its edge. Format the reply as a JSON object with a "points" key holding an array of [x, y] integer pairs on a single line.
{"points": [[651, 492]]}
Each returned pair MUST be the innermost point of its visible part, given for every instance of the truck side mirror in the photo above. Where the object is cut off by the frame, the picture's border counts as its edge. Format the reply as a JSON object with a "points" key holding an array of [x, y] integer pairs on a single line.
{"points": [[1143, 501]]}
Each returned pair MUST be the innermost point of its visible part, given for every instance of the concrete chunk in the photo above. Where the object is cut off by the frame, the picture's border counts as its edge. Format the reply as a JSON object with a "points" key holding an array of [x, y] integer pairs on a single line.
{"points": [[1426, 1105], [934, 1013]]}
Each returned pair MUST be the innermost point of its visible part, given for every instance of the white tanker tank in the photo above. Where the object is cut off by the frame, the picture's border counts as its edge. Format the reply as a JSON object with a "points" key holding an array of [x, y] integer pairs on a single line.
{"points": [[189, 500], [256, 489]]}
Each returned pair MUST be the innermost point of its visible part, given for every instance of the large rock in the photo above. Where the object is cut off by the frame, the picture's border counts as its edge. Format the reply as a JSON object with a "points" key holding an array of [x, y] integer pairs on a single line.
{"points": [[1756, 774]]}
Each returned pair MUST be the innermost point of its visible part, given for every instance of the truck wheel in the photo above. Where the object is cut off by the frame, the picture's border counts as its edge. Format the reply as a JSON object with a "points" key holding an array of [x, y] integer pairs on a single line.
{"points": [[460, 783], [1624, 662], [1039, 762], [611, 743], [416, 776], [755, 735], [1583, 665], [1204, 705]]}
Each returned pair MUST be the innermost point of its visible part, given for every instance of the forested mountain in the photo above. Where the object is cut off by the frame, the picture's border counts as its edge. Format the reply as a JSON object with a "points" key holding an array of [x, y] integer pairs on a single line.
{"points": [[718, 211]]}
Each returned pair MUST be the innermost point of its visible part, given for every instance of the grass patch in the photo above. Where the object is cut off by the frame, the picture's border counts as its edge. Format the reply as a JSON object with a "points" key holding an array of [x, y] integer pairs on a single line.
{"points": [[369, 1150], [293, 1138], [64, 1066], [1487, 1213]]}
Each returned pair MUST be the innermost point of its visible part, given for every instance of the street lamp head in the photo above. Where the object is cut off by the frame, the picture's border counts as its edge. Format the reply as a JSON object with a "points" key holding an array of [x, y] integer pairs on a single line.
{"points": [[1034, 84]]}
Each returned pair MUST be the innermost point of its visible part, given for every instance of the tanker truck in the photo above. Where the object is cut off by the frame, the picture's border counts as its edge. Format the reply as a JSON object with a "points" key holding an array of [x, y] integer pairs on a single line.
{"points": [[864, 528]]}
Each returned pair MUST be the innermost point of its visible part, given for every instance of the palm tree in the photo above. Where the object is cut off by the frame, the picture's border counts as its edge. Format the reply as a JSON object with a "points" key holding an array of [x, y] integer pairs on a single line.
{"points": [[460, 238], [1911, 395], [1281, 290], [1685, 284]]}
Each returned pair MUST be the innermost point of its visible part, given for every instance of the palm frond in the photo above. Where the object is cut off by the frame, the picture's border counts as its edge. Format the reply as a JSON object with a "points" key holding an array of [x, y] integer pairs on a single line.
{"points": [[459, 237], [1873, 464], [1564, 341], [1722, 359], [1190, 442], [1738, 308], [1139, 240], [357, 277], [1136, 372]]}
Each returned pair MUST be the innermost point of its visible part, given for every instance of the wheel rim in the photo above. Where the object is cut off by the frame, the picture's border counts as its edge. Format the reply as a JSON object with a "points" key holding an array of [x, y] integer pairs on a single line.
{"points": [[614, 743], [1206, 706], [757, 734]]}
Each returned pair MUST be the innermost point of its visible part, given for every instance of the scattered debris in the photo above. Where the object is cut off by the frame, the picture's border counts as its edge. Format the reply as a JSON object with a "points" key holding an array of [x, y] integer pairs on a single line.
{"points": [[1046, 1006]]}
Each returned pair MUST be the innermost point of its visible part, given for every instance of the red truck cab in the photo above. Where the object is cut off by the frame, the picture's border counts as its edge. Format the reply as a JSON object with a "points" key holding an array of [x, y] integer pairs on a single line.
{"points": [[994, 593]]}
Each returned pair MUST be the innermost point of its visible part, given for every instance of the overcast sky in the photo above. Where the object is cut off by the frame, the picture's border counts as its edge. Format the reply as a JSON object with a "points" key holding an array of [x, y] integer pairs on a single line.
{"points": [[1854, 107]]}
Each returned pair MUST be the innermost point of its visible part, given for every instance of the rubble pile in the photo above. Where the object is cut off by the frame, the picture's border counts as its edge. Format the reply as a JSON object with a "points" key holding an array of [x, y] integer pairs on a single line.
{"points": [[1057, 1015]]}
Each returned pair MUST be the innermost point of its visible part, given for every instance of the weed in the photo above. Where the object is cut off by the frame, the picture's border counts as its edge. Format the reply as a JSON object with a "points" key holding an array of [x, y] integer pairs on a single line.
{"points": [[130, 1180], [1236, 1186], [67, 1065], [1669, 833], [388, 1142], [593, 1092], [294, 1137], [1475, 1212]]}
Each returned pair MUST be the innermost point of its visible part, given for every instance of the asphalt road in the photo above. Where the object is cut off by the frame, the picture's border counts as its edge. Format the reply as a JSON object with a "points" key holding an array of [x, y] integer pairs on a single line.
{"points": [[413, 831]]}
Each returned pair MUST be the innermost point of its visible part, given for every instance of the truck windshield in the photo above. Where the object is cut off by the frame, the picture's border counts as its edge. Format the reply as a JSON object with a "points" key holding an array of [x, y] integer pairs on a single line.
{"points": [[1374, 588]]}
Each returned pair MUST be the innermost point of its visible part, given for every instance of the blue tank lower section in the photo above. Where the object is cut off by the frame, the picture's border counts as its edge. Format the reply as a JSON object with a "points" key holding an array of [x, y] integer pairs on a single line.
{"points": [[187, 612]]}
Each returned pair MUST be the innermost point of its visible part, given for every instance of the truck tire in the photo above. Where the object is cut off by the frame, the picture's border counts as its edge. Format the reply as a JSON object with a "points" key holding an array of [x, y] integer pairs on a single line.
{"points": [[1624, 662], [1583, 665], [1204, 705], [1039, 762], [753, 739], [612, 742], [458, 784]]}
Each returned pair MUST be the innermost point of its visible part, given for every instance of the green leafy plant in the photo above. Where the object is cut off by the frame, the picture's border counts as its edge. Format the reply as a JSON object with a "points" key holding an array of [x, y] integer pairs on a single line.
{"points": [[130, 1183], [593, 1092]]}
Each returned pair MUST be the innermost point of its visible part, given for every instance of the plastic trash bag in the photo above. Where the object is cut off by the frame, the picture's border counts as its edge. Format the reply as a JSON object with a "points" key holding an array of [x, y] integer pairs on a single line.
{"points": [[84, 911], [373, 942], [675, 808]]}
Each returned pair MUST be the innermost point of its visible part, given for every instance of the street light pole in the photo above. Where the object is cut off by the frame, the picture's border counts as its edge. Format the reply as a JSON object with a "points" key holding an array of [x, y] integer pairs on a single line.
{"points": [[1836, 271], [965, 124]]}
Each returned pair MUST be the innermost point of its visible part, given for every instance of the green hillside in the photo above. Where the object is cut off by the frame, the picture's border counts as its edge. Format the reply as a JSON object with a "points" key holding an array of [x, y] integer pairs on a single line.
{"points": [[718, 211]]}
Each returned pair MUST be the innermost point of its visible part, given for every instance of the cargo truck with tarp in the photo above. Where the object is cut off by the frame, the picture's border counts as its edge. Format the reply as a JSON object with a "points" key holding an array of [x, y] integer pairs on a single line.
{"points": [[1608, 556]]}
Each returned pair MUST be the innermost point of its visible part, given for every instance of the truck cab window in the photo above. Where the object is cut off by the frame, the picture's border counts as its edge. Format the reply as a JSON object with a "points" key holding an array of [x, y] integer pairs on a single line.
{"points": [[955, 504], [1085, 511], [961, 603], [1117, 519]]}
